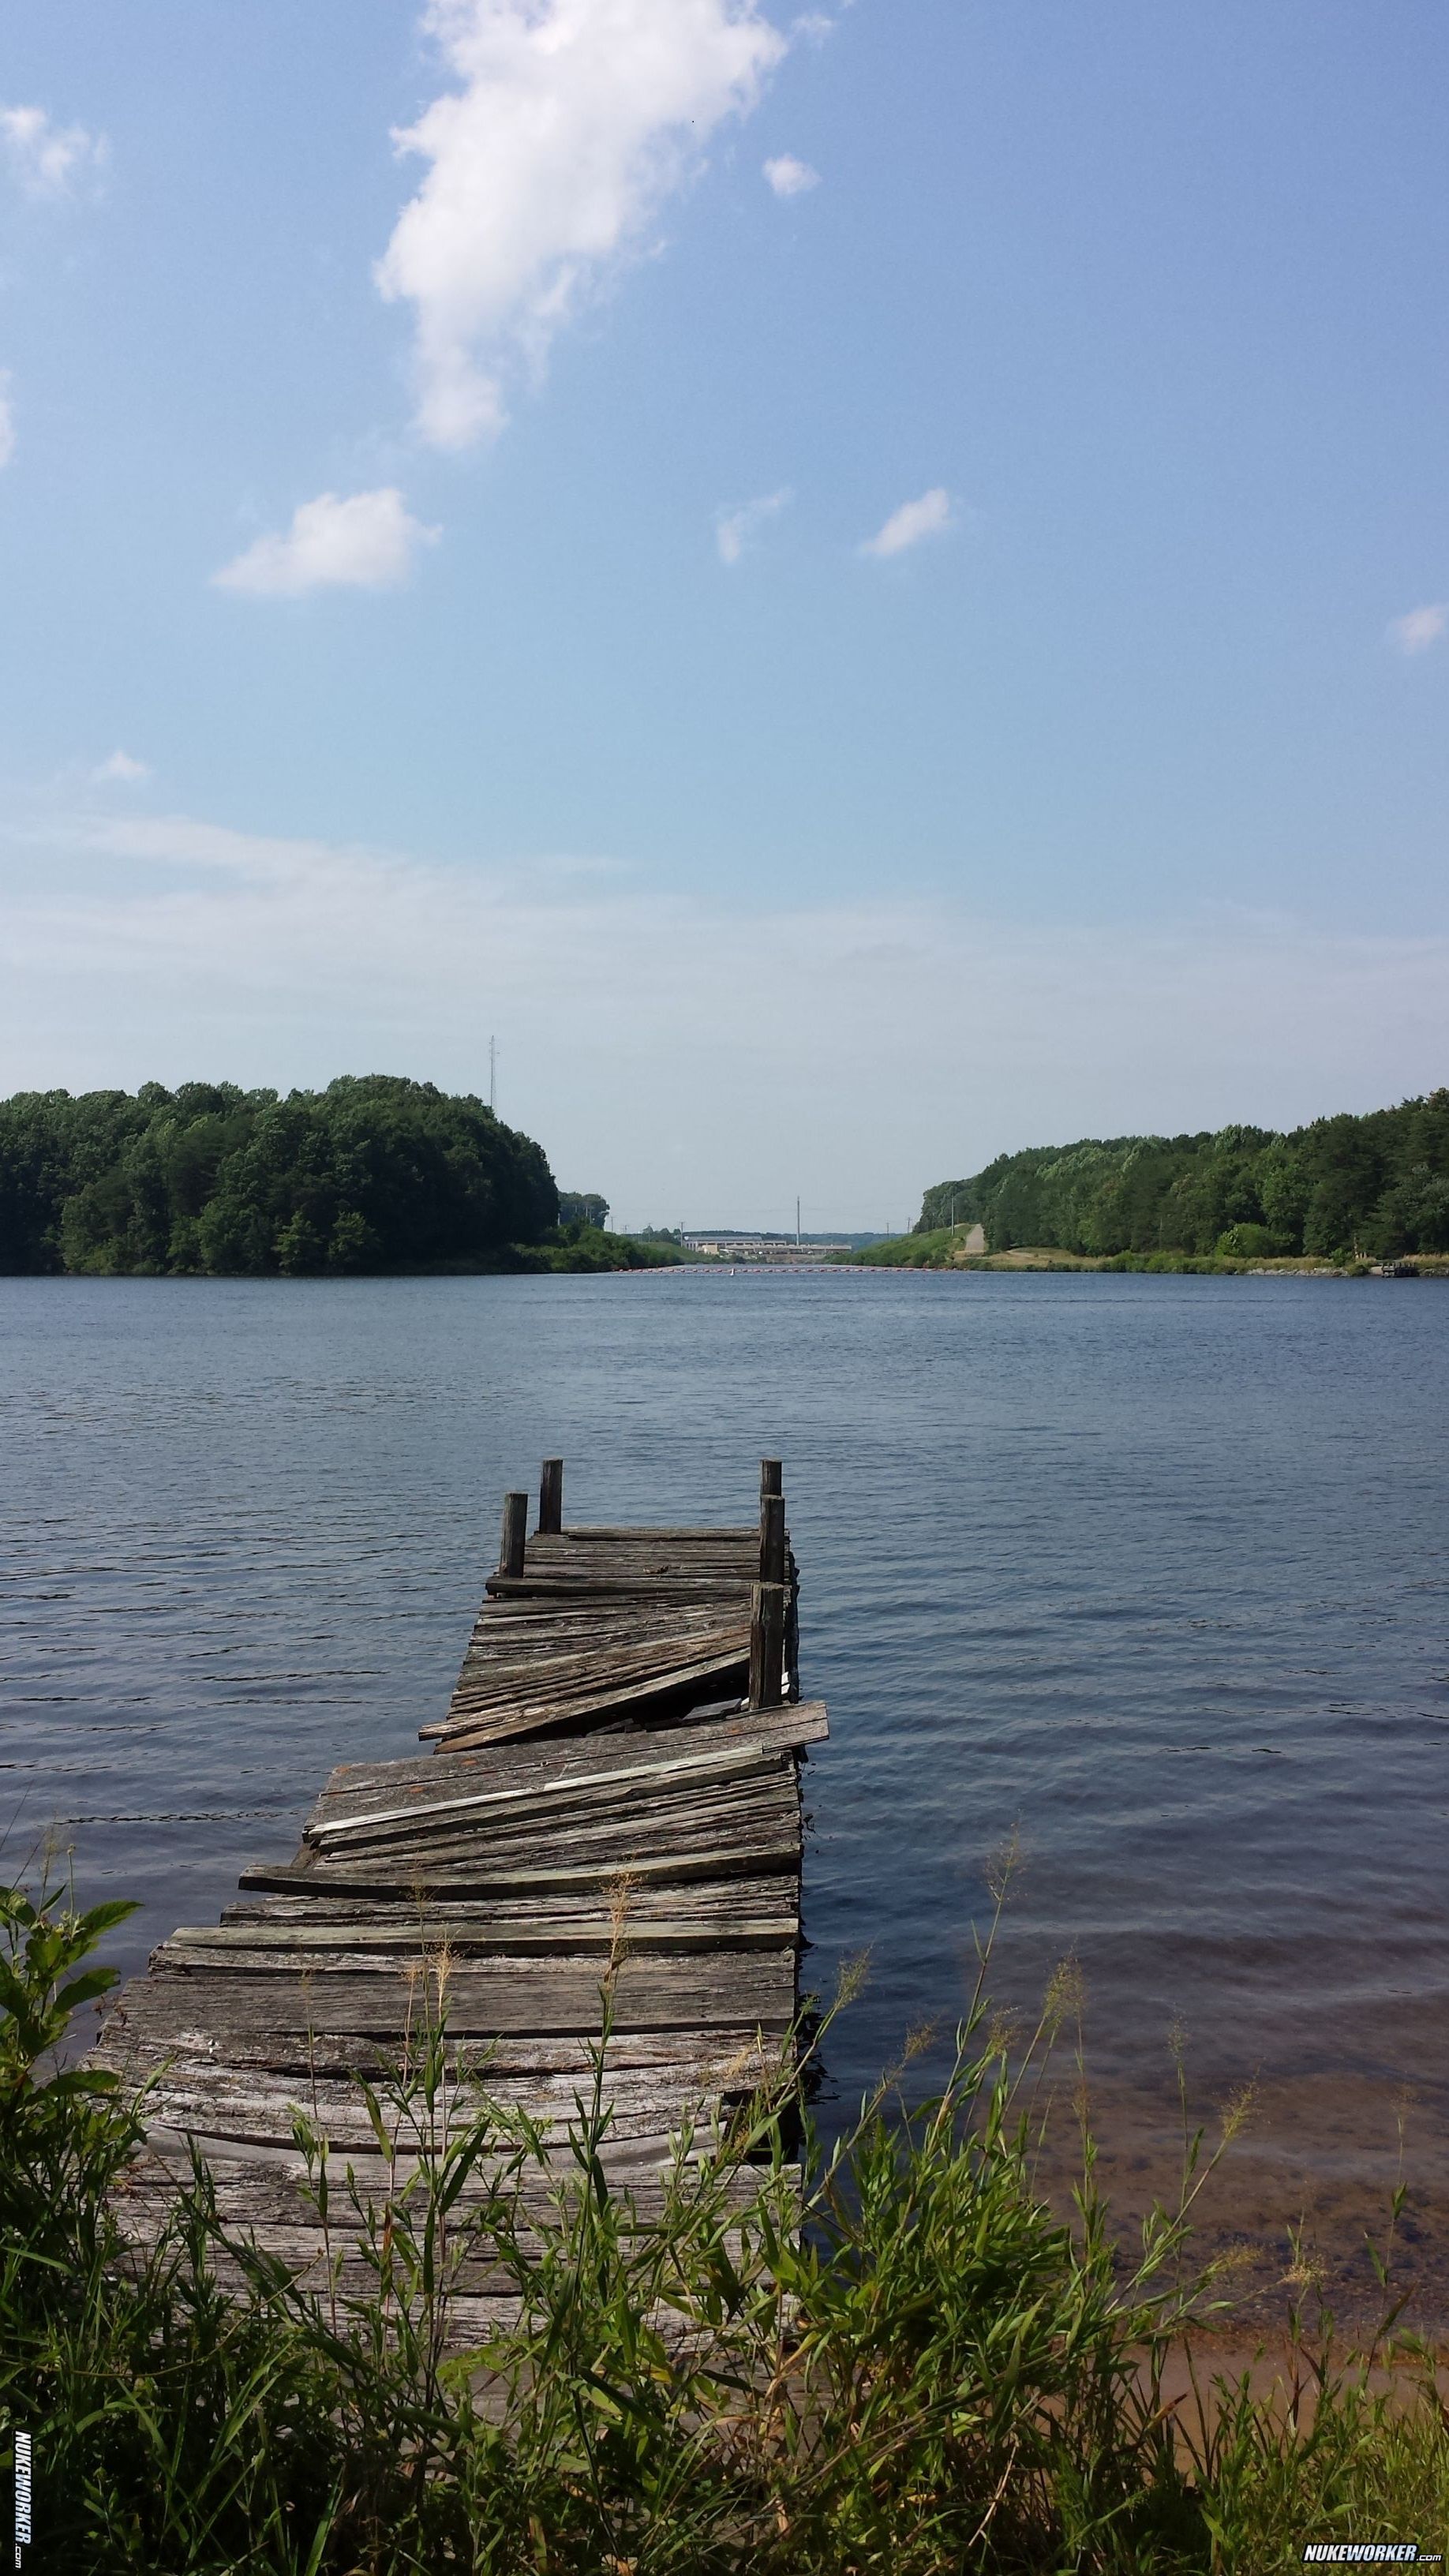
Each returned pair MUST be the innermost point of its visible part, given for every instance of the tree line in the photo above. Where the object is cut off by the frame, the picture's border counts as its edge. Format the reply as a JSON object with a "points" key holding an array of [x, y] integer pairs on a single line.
{"points": [[1374, 1186], [374, 1173]]}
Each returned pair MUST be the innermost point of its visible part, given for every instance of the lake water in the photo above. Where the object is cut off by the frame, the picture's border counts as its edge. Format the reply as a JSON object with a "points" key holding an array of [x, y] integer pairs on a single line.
{"points": [[1153, 1570]]}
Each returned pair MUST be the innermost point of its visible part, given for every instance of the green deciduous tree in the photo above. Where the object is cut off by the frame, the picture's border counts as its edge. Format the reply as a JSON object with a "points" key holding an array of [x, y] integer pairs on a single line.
{"points": [[1376, 1184], [375, 1172]]}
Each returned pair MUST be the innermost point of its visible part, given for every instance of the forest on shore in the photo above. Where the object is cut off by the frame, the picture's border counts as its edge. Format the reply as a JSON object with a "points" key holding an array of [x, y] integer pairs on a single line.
{"points": [[375, 1173], [1370, 1188]]}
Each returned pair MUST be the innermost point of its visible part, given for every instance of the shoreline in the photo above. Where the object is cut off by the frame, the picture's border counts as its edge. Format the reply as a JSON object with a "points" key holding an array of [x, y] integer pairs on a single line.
{"points": [[1038, 1260]]}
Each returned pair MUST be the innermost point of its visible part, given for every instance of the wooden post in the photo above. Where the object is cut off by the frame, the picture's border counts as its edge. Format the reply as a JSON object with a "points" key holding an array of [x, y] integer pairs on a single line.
{"points": [[792, 1628], [550, 1498], [772, 1538], [515, 1533], [767, 1644], [767, 1600]]}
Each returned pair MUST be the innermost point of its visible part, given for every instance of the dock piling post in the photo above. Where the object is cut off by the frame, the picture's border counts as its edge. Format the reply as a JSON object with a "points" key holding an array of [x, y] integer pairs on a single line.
{"points": [[767, 1644], [772, 1475], [772, 1538], [515, 1533], [550, 1498]]}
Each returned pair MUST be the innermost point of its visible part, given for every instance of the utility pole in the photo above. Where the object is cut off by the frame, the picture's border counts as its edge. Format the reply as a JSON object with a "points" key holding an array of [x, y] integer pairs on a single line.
{"points": [[797, 1225], [493, 1075]]}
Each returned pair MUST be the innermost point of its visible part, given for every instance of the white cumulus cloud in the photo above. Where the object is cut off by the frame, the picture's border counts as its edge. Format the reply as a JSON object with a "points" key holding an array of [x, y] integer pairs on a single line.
{"points": [[789, 177], [46, 158], [366, 542], [735, 529], [573, 121], [931, 516], [121, 770], [1420, 628]]}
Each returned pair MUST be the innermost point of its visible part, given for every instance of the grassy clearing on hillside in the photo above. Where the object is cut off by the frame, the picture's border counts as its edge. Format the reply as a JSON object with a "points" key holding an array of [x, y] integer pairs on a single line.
{"points": [[942, 1250], [932, 2374]]}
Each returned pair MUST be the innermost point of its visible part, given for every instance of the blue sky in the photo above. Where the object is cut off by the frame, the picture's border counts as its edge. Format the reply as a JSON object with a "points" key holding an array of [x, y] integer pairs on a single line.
{"points": [[861, 589]]}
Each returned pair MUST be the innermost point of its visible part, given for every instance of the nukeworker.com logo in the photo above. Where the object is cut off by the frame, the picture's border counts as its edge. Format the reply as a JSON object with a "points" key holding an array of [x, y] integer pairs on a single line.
{"points": [[1370, 2553]]}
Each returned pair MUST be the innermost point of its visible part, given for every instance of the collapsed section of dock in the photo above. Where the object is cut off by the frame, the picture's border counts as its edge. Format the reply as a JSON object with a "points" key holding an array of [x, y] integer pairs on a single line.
{"points": [[615, 1788]]}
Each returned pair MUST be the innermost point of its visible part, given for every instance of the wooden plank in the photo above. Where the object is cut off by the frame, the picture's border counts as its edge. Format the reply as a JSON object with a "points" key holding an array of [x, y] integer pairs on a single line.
{"points": [[726, 1810], [646, 1539], [533, 1687], [485, 1997], [704, 1899], [611, 1841], [703, 1768], [536, 1809], [535, 1717], [736, 2059], [487, 1880], [535, 1804], [739, 1814], [264, 1946], [262, 2195], [538, 1691], [803, 1723], [615, 1588], [256, 2106], [740, 1534], [479, 1684]]}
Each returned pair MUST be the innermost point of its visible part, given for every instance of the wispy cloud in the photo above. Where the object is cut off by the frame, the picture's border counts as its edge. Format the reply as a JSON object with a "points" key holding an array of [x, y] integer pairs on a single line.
{"points": [[366, 542], [573, 122], [1421, 627], [737, 528], [44, 158], [176, 946], [931, 516], [120, 770], [789, 177]]}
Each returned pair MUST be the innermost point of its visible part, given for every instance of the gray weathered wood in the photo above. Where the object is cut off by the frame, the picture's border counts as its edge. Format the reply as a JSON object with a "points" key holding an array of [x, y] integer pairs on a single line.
{"points": [[515, 1534], [767, 1645], [383, 1881], [552, 1713], [602, 1816], [772, 1538], [483, 1997], [695, 1768]]}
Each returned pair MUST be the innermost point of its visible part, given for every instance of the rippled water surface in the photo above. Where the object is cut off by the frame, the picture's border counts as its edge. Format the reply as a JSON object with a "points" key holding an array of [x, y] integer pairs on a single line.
{"points": [[1153, 1570]]}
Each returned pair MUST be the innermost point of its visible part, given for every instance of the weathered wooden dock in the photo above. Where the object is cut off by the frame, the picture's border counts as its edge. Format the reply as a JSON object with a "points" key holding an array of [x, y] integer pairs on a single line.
{"points": [[623, 1746]]}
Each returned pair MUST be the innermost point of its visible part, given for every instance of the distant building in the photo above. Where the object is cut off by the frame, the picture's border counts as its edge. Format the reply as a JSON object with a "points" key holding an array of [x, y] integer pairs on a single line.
{"points": [[781, 1249]]}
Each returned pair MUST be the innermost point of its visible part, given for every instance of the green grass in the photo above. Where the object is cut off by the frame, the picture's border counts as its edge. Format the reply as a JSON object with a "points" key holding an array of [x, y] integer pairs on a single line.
{"points": [[921, 2370]]}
